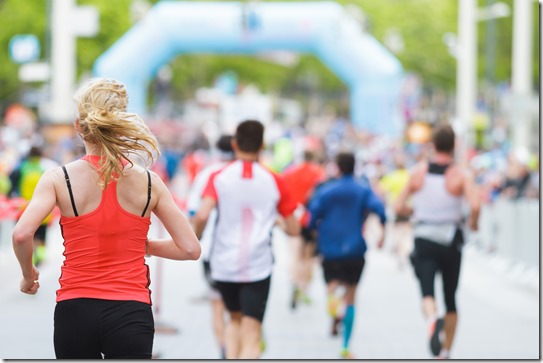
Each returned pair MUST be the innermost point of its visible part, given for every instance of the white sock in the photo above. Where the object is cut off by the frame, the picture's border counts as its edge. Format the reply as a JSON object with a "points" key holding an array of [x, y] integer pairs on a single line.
{"points": [[444, 353]]}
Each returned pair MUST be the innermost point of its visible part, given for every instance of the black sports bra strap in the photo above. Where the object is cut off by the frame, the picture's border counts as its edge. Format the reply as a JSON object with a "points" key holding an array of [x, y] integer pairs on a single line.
{"points": [[148, 192], [70, 190]]}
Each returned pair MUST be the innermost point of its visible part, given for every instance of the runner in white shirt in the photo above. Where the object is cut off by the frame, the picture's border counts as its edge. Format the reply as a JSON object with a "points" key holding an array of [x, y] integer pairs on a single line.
{"points": [[248, 198], [226, 155]]}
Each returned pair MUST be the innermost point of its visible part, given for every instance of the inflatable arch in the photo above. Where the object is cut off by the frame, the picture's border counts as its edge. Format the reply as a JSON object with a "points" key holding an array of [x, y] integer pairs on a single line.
{"points": [[324, 29]]}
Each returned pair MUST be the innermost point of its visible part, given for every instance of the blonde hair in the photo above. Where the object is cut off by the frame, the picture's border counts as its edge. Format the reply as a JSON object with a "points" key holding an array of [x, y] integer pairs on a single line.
{"points": [[103, 121]]}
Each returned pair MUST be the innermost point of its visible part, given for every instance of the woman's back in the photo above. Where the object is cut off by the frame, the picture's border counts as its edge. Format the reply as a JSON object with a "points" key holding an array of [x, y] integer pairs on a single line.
{"points": [[131, 189], [104, 234]]}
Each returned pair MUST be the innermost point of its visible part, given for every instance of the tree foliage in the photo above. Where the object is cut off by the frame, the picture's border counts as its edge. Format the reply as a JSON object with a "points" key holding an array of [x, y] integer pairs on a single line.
{"points": [[115, 20], [18, 17], [421, 24]]}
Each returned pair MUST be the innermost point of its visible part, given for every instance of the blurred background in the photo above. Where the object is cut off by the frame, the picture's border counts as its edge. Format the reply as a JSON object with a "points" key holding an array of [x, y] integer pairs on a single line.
{"points": [[370, 75]]}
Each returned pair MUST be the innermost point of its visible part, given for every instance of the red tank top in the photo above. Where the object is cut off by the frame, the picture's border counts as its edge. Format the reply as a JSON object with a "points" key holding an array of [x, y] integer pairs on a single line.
{"points": [[104, 252]]}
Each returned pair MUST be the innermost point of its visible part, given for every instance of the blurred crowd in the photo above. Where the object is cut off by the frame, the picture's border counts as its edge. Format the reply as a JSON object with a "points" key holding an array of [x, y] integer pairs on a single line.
{"points": [[500, 172]]}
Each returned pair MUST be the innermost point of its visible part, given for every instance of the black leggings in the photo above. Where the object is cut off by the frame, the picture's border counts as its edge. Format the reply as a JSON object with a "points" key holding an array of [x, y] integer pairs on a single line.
{"points": [[90, 328], [430, 257]]}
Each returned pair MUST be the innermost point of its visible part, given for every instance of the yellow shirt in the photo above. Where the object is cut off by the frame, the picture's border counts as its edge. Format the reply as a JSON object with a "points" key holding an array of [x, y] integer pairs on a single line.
{"points": [[393, 184]]}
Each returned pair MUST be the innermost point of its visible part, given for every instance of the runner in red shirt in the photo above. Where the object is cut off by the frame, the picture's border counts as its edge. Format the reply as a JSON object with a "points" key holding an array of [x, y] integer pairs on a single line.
{"points": [[301, 180], [105, 200]]}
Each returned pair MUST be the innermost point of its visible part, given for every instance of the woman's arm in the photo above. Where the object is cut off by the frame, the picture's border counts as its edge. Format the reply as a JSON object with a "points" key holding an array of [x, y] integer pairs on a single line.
{"points": [[183, 244], [42, 203]]}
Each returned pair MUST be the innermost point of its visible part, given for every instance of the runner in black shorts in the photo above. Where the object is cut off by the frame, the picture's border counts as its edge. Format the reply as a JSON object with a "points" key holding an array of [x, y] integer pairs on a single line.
{"points": [[302, 179], [338, 211], [437, 189], [249, 199], [194, 198]]}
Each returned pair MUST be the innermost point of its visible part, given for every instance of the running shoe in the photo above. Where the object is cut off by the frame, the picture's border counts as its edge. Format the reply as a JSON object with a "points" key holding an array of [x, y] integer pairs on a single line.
{"points": [[333, 305], [303, 297], [435, 341], [345, 354], [262, 345], [294, 299]]}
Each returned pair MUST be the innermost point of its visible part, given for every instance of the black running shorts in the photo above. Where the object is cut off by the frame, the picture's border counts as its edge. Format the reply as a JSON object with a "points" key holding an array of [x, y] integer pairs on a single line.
{"points": [[249, 298], [90, 328], [308, 235], [41, 232], [345, 270], [309, 240], [207, 275]]}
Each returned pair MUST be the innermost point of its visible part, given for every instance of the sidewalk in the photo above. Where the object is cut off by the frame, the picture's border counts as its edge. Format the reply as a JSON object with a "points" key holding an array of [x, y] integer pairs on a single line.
{"points": [[498, 316]]}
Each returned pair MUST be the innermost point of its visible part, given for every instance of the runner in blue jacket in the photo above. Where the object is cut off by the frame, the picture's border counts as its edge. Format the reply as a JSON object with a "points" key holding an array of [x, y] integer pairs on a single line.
{"points": [[338, 211]]}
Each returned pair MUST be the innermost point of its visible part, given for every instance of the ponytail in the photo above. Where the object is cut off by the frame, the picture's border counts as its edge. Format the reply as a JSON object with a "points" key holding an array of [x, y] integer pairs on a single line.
{"points": [[103, 121]]}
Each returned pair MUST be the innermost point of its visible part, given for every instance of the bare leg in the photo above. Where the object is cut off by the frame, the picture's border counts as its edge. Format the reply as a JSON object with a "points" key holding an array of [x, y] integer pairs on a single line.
{"points": [[296, 260], [217, 310], [451, 319], [306, 265], [350, 293], [233, 338], [333, 302], [296, 270], [250, 334], [405, 241], [429, 307]]}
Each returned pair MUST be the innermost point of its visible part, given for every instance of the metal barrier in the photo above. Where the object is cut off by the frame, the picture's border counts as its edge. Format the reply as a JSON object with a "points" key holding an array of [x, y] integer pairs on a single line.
{"points": [[510, 228]]}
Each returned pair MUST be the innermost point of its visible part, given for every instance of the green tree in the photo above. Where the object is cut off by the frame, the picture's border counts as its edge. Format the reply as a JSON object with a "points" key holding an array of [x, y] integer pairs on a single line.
{"points": [[114, 22], [421, 23], [18, 17]]}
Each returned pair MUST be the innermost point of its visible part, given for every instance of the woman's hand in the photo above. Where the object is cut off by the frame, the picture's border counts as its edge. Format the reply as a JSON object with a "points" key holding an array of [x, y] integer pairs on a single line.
{"points": [[30, 285]]}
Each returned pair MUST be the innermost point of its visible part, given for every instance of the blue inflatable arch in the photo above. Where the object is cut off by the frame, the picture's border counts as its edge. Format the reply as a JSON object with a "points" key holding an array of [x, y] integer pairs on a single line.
{"points": [[171, 28]]}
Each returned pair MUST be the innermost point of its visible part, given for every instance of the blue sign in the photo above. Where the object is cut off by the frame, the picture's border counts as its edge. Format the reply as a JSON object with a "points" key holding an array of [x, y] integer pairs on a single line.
{"points": [[24, 48]]}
